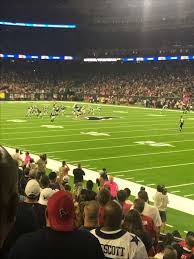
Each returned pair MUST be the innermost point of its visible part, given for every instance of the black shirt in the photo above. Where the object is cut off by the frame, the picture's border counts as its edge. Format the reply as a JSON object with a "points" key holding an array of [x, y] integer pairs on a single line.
{"points": [[78, 175], [49, 244], [90, 195]]}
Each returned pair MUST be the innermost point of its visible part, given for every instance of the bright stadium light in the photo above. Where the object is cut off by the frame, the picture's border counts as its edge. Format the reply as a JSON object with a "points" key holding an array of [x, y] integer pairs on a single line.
{"points": [[60, 26]]}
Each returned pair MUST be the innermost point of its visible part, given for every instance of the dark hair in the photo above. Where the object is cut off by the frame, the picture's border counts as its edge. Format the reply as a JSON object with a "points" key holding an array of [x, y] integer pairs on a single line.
{"points": [[172, 254], [142, 188], [26, 171], [103, 196], [133, 223], [17, 150], [168, 240], [89, 185], [63, 163], [159, 188], [176, 233], [121, 196], [128, 192], [139, 205], [52, 176], [143, 195], [44, 181], [67, 187]]}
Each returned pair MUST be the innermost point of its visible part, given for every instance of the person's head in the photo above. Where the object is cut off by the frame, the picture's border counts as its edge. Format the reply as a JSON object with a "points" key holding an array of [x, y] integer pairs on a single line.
{"points": [[60, 212], [111, 178], [8, 193], [65, 179], [31, 160], [176, 233], [44, 181], [103, 196], [169, 253], [52, 177], [164, 192], [128, 192], [133, 222], [104, 170], [159, 188], [142, 188], [32, 190], [169, 239], [121, 196], [112, 215], [139, 205], [33, 173], [89, 185], [67, 187], [17, 150], [27, 153], [63, 163], [143, 196], [189, 240], [79, 165], [91, 213], [27, 171], [45, 195]]}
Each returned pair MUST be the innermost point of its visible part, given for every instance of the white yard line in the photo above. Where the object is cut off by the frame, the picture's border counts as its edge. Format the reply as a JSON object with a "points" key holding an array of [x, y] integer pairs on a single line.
{"points": [[136, 155], [105, 138], [180, 185], [175, 191], [154, 167], [129, 178], [140, 181], [83, 129], [189, 195], [176, 202], [107, 147], [150, 184], [170, 226], [118, 175]]}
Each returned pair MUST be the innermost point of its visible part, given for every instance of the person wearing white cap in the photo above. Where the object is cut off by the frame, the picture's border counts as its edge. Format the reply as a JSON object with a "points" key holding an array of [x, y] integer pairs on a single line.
{"points": [[45, 195]]}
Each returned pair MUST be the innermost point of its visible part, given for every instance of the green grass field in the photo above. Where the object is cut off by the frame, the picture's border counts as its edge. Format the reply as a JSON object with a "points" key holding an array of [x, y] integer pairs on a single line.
{"points": [[143, 145]]}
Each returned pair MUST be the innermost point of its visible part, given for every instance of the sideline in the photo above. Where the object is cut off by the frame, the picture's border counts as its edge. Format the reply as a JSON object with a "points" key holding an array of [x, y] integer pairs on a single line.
{"points": [[175, 202]]}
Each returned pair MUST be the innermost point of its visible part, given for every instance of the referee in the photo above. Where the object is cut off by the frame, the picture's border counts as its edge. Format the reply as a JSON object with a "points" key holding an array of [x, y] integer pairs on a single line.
{"points": [[181, 123]]}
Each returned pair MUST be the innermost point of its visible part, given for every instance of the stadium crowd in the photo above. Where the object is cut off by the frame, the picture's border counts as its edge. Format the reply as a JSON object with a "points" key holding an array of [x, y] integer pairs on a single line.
{"points": [[152, 85], [44, 216]]}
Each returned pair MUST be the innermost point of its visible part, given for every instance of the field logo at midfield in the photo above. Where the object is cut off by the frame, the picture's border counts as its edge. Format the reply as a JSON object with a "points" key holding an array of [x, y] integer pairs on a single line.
{"points": [[94, 133], [52, 126], [153, 144], [18, 121]]}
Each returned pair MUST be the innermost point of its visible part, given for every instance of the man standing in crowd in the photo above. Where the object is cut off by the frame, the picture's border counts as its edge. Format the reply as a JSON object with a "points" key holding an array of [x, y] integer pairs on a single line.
{"points": [[115, 242], [17, 157], [8, 195], [63, 171], [91, 214], [78, 179], [59, 239]]}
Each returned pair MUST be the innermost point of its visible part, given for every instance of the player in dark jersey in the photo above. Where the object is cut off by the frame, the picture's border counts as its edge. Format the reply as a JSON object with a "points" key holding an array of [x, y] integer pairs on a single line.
{"points": [[53, 116], [181, 123]]}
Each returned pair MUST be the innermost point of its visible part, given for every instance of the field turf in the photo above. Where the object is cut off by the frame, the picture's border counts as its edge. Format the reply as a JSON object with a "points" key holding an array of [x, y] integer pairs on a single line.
{"points": [[143, 145]]}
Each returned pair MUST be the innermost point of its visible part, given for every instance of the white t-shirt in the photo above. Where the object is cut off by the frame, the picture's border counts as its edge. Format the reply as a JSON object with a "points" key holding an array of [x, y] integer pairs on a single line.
{"points": [[152, 212], [120, 244]]}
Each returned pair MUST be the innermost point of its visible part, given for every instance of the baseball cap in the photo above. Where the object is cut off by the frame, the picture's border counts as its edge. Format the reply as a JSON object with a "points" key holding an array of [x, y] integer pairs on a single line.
{"points": [[60, 210], [45, 195], [32, 189]]}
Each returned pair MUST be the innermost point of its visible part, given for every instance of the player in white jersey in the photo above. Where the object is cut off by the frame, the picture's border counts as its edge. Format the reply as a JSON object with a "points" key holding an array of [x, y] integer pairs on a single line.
{"points": [[53, 116], [29, 112], [164, 107], [45, 109]]}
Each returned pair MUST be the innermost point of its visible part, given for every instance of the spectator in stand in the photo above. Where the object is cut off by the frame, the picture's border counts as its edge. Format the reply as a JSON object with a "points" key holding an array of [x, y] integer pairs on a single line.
{"points": [[63, 171], [32, 164], [78, 179], [170, 253], [102, 179], [151, 211], [146, 220], [163, 208], [115, 242], [128, 193], [103, 197], [17, 157], [188, 245], [41, 165], [44, 182], [27, 159], [60, 238], [121, 197], [113, 187], [91, 215], [133, 224], [53, 184], [24, 180], [8, 195], [90, 194]]}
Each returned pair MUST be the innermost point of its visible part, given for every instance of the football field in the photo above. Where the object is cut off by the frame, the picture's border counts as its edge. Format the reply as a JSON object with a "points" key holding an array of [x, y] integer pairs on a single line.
{"points": [[142, 145]]}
